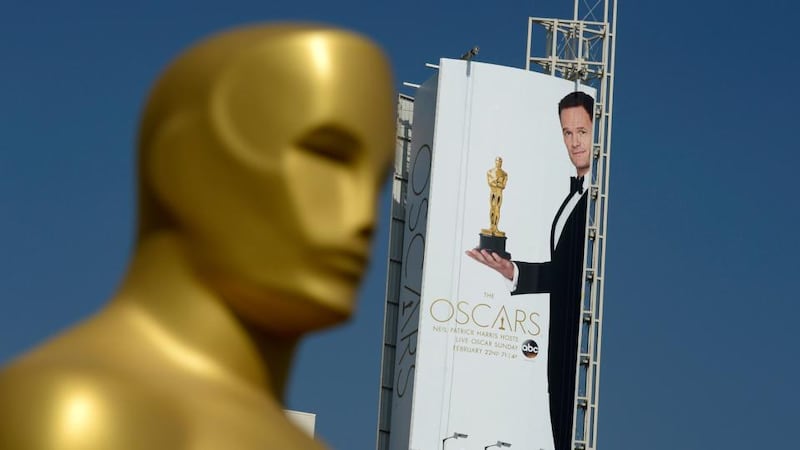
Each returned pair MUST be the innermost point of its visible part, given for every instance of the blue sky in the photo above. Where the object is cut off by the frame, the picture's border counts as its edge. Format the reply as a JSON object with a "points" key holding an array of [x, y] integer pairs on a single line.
{"points": [[699, 349]]}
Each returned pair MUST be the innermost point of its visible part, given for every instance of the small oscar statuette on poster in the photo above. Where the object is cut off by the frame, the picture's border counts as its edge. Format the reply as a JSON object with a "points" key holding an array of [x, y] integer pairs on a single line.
{"points": [[492, 239]]}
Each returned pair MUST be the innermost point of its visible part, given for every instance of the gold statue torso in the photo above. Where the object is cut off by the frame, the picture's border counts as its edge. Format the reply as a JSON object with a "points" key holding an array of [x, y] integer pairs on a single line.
{"points": [[122, 381], [92, 404]]}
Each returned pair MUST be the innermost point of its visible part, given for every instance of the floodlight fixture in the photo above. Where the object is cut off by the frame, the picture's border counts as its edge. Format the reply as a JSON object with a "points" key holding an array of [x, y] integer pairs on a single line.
{"points": [[455, 435]]}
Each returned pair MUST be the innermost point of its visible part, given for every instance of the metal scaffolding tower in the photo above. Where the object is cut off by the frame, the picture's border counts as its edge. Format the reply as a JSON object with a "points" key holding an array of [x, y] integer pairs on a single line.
{"points": [[582, 50]]}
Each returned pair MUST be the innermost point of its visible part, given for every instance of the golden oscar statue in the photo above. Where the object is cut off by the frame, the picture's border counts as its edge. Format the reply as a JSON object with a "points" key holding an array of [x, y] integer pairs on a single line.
{"points": [[261, 154], [492, 239], [496, 178]]}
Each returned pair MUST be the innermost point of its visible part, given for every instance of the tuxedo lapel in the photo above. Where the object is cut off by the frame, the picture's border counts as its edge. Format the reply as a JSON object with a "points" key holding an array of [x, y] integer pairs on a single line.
{"points": [[555, 223]]}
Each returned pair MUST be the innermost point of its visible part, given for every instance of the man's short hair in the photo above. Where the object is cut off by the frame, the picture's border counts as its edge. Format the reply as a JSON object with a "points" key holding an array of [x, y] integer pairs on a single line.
{"points": [[577, 98]]}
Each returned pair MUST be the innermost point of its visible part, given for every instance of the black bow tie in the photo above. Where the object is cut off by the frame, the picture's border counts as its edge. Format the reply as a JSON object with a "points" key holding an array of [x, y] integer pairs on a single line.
{"points": [[575, 185]]}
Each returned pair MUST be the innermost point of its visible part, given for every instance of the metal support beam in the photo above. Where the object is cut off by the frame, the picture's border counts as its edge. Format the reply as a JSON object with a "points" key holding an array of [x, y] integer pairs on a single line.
{"points": [[582, 50]]}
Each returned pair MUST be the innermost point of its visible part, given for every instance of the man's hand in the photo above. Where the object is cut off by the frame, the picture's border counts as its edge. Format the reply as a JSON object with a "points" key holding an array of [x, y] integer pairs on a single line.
{"points": [[503, 266]]}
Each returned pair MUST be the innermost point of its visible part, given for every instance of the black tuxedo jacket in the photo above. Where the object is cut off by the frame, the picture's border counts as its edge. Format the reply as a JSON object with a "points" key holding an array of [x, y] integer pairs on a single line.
{"points": [[561, 277]]}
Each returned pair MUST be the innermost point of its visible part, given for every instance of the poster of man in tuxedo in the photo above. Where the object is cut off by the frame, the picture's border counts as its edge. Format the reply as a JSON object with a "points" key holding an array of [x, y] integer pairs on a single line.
{"points": [[561, 275], [494, 353]]}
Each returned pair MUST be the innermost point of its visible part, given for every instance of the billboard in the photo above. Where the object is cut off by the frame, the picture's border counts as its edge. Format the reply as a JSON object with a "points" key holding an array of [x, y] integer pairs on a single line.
{"points": [[486, 340]]}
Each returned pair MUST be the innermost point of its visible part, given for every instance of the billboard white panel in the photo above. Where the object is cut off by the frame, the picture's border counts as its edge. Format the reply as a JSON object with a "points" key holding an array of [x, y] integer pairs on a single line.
{"points": [[478, 362], [414, 242], [305, 421]]}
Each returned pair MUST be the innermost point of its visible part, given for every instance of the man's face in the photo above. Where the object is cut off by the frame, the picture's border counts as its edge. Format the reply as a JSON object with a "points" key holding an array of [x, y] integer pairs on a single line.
{"points": [[576, 127]]}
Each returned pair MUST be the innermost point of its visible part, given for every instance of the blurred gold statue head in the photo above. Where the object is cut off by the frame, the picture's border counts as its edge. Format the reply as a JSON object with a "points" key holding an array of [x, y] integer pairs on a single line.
{"points": [[261, 154], [263, 150]]}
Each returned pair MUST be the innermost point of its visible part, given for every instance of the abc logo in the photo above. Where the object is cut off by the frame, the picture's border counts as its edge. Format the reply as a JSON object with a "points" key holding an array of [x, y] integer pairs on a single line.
{"points": [[530, 349]]}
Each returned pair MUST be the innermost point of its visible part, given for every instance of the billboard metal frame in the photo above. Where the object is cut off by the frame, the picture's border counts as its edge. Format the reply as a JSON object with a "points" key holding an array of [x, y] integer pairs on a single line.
{"points": [[582, 50]]}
